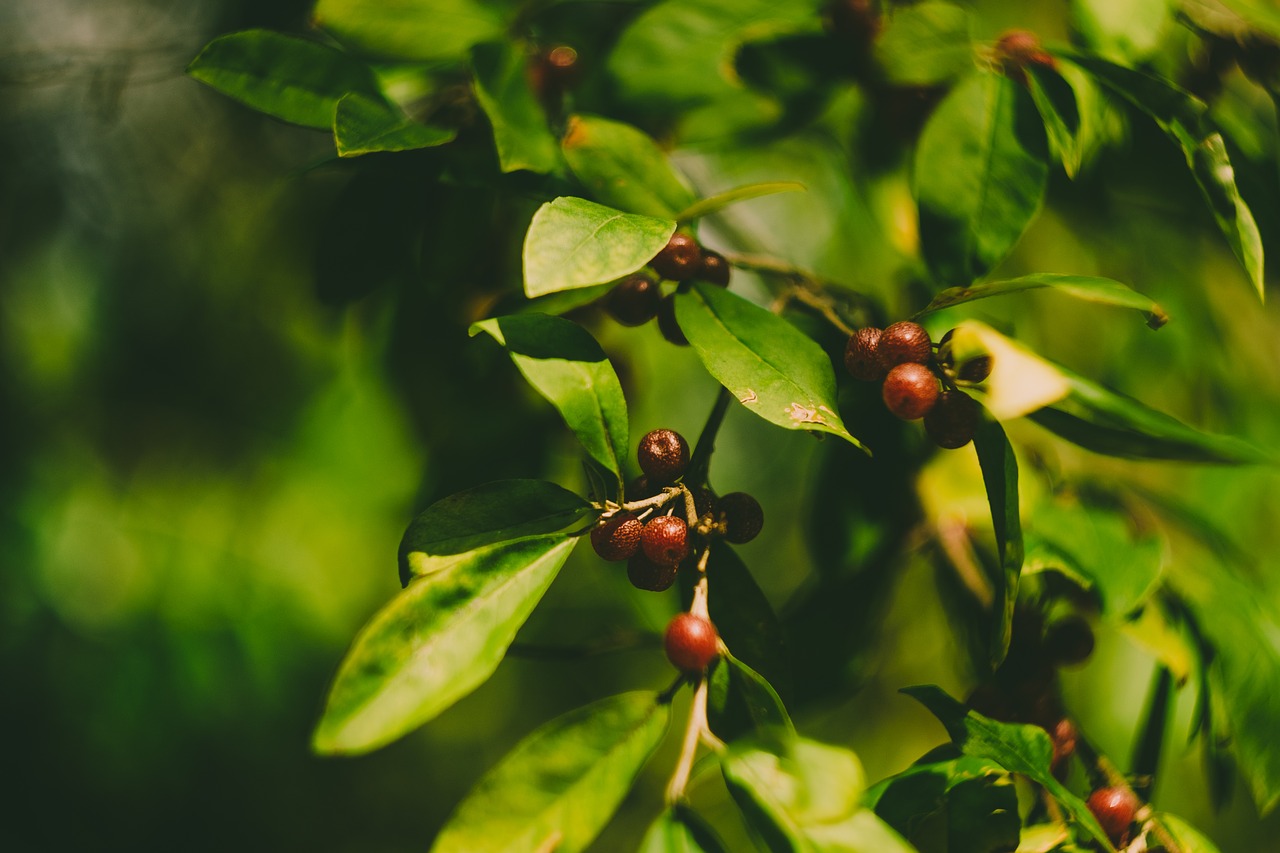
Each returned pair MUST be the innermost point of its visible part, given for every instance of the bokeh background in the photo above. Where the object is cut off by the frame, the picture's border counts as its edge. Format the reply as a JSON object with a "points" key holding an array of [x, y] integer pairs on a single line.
{"points": [[209, 449]]}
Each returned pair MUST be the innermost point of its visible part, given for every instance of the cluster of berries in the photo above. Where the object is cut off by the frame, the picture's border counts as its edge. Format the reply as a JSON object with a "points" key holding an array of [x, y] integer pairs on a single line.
{"points": [[902, 357], [638, 299]]}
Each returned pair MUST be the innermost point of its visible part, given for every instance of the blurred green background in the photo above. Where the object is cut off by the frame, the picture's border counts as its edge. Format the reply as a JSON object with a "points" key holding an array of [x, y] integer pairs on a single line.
{"points": [[209, 456]]}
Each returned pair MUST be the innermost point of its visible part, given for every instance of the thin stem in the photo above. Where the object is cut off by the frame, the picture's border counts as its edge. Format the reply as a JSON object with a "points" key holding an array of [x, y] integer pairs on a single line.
{"points": [[823, 306], [1146, 753], [667, 495], [700, 463], [689, 749]]}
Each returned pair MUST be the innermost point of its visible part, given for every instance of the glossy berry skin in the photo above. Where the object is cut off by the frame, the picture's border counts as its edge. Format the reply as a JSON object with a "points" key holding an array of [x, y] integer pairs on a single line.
{"points": [[715, 269], [618, 537], [904, 342], [910, 390], [649, 576], [1114, 808], [680, 259], [1069, 641], [953, 420], [861, 356], [663, 455], [742, 516], [634, 301], [667, 323], [691, 643], [665, 540]]}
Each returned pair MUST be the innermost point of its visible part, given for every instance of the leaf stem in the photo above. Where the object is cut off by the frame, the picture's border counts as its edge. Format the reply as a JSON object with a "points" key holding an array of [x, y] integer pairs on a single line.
{"points": [[1146, 753], [700, 463], [689, 748]]}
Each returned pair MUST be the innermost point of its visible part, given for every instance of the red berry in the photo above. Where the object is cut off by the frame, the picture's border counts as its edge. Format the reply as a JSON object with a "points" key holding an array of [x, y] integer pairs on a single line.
{"points": [[904, 342], [667, 323], [1016, 49], [663, 455], [910, 390], [1114, 808], [742, 516], [665, 540], [617, 537], [860, 355], [634, 301], [953, 420], [715, 269], [1069, 641], [647, 575], [691, 643], [1064, 743], [680, 259]]}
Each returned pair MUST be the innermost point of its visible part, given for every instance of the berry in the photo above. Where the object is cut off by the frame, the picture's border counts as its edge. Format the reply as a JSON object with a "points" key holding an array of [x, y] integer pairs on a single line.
{"points": [[663, 455], [1064, 743], [554, 72], [691, 643], [680, 259], [861, 358], [647, 575], [742, 516], [910, 390], [975, 369], [667, 322], [1114, 808], [904, 342], [617, 537], [953, 420], [665, 540], [635, 301], [715, 269], [639, 489], [1016, 49], [1069, 641], [703, 501]]}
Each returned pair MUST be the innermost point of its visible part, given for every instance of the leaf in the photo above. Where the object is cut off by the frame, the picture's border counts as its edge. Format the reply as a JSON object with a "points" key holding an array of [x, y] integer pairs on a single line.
{"points": [[1187, 837], [679, 829], [1055, 100], [623, 167], [293, 79], [519, 123], [925, 44], [719, 201], [560, 785], [1186, 122], [1126, 30], [436, 641], [363, 126], [573, 242], [980, 173], [411, 29], [769, 365], [1089, 288], [485, 515], [976, 795], [743, 616], [740, 702], [566, 365], [1023, 749], [1260, 15], [1000, 477]]}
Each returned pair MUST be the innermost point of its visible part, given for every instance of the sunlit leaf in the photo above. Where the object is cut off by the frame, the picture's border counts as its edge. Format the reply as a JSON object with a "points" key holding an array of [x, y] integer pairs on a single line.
{"points": [[711, 204], [1089, 288], [519, 123], [411, 29], [438, 640], [560, 785], [680, 830], [623, 167], [1127, 30], [925, 44], [363, 125], [1000, 477], [1187, 837]]}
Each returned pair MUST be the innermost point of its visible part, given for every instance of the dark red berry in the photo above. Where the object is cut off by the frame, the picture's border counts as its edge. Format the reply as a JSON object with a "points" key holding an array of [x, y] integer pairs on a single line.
{"points": [[663, 455], [1069, 641], [1016, 49], [1064, 743], [904, 342], [715, 269], [691, 643], [647, 575], [975, 369], [953, 419], [742, 515], [910, 390], [639, 489], [703, 501], [680, 259], [554, 72], [861, 358], [667, 322], [634, 301], [1114, 808], [617, 537], [665, 540]]}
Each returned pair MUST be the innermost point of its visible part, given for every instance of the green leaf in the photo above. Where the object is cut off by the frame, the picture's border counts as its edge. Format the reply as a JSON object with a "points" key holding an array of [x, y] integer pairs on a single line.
{"points": [[519, 123], [1055, 100], [1022, 749], [623, 167], [679, 829], [925, 44], [769, 365], [740, 702], [363, 125], [1126, 30], [743, 616], [1000, 477], [485, 515], [1186, 122], [564, 301], [1089, 288], [980, 173], [436, 641], [290, 78], [976, 795], [1261, 15], [719, 201], [573, 242], [412, 29], [560, 785], [566, 365], [1187, 837]]}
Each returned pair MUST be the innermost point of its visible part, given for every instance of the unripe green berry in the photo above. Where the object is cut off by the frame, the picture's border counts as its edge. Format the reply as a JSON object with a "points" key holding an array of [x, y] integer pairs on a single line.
{"points": [[910, 390], [665, 540], [617, 537], [663, 455], [691, 643]]}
